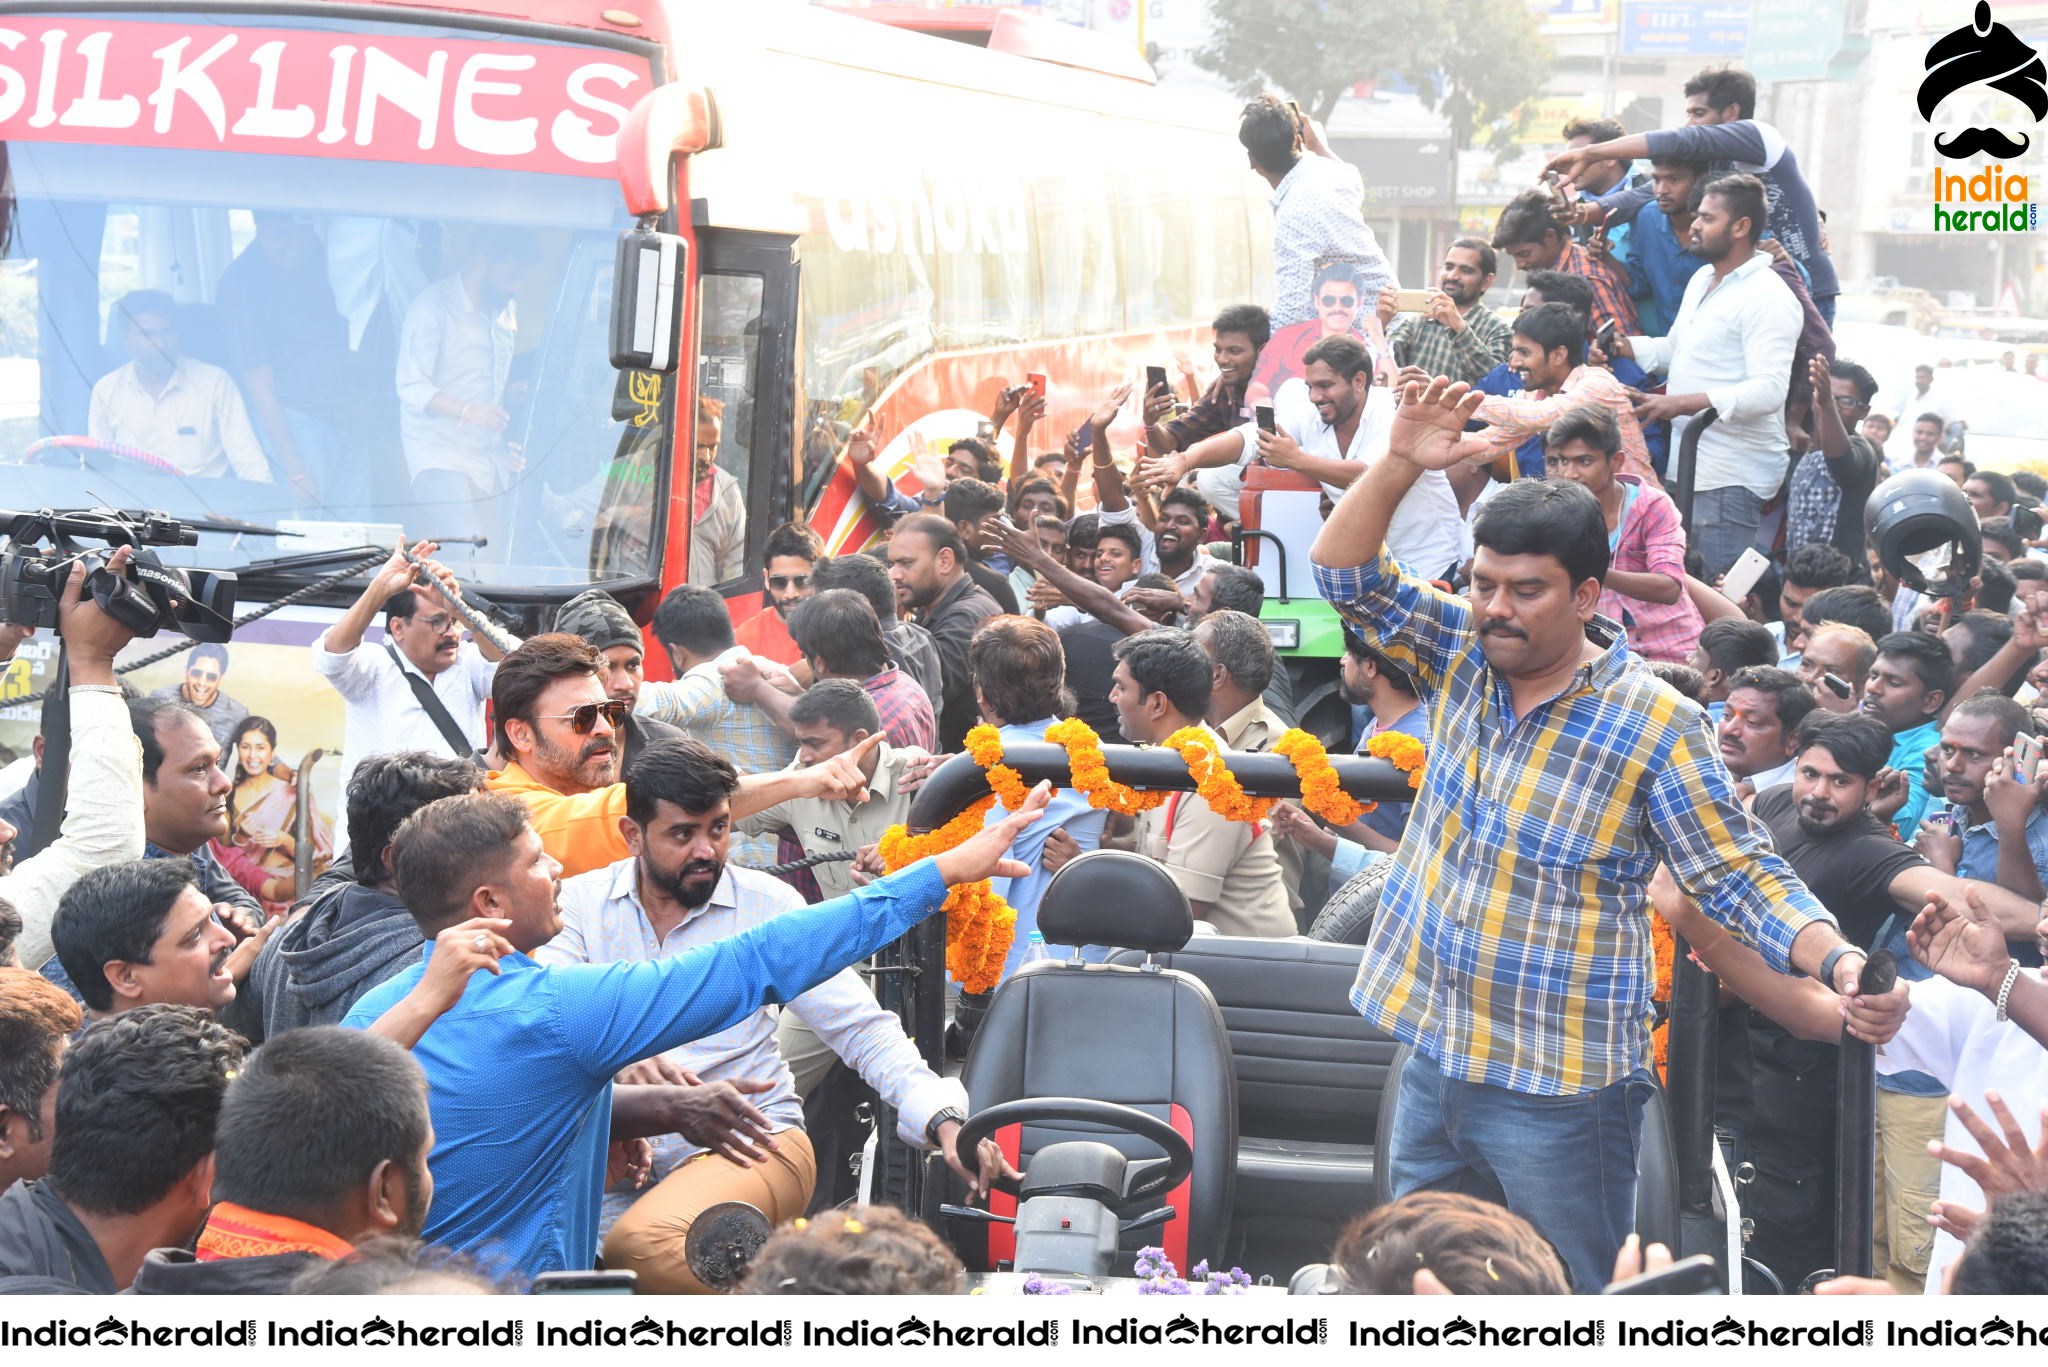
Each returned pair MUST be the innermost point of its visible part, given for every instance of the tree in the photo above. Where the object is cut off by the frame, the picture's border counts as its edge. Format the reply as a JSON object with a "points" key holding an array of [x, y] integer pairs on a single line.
{"points": [[1477, 60]]}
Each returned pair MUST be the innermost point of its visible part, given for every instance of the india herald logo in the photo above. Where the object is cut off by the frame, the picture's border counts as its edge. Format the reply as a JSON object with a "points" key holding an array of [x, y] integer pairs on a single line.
{"points": [[1989, 54]]}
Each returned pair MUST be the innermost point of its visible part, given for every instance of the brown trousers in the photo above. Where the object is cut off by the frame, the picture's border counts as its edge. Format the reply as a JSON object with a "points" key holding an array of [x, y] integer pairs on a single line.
{"points": [[648, 1239]]}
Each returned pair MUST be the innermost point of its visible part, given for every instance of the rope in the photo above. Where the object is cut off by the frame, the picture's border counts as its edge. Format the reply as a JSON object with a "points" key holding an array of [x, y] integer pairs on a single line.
{"points": [[184, 643], [809, 861]]}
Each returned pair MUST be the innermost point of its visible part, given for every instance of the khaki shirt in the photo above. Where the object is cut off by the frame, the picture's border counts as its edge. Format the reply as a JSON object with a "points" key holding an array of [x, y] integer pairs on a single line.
{"points": [[1257, 728], [1229, 864], [829, 827]]}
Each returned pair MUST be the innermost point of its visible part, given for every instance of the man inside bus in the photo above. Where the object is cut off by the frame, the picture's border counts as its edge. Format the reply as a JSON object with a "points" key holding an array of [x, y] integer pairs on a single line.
{"points": [[288, 344], [718, 509], [454, 365], [786, 562], [166, 403]]}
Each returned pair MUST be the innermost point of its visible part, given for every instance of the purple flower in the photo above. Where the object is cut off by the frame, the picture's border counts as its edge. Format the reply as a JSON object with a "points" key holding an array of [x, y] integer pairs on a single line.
{"points": [[1035, 1285], [1200, 1272]]}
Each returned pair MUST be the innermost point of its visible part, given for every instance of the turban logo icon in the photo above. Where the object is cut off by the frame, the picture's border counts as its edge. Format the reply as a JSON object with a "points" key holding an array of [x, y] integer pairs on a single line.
{"points": [[1984, 54]]}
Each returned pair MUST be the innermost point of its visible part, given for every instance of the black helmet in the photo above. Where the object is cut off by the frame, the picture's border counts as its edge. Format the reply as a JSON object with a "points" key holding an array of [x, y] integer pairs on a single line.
{"points": [[1925, 532]]}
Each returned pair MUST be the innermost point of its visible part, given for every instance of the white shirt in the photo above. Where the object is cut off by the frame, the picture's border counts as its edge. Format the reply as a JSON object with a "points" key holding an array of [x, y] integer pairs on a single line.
{"points": [[1427, 533], [450, 346], [102, 820], [603, 922], [1733, 342], [1952, 1034], [1316, 220], [383, 716], [198, 423], [1148, 555], [1773, 778]]}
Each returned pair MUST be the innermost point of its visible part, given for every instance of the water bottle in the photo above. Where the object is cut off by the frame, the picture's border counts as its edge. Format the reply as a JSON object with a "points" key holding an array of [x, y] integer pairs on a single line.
{"points": [[1034, 950]]}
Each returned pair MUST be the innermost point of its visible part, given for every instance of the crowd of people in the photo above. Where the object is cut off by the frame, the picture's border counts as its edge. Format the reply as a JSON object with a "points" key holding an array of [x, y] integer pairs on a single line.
{"points": [[579, 961]]}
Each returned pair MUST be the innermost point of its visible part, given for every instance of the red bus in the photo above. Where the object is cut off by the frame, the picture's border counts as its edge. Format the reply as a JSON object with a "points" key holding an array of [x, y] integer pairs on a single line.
{"points": [[326, 214]]}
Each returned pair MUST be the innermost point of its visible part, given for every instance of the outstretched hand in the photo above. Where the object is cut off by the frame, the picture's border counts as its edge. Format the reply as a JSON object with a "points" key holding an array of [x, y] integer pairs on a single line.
{"points": [[985, 855], [1429, 424], [1962, 943], [2008, 1163]]}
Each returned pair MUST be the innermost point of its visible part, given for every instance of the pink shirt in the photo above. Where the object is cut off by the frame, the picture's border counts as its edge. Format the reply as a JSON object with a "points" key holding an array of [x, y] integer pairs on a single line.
{"points": [[1652, 541], [1511, 421]]}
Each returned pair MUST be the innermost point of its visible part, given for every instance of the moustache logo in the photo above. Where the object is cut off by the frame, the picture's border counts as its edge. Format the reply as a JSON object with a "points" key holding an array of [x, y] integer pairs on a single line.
{"points": [[1973, 141]]}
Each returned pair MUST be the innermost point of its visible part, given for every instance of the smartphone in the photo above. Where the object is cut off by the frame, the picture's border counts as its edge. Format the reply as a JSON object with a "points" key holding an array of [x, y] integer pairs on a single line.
{"points": [[1694, 1276], [1155, 377], [584, 1284], [1414, 301], [984, 429], [1264, 416], [1604, 339], [1037, 382], [1838, 686], [2026, 753], [1743, 574]]}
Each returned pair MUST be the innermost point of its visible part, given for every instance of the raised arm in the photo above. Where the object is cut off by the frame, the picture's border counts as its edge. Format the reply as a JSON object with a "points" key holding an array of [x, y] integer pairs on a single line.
{"points": [[1089, 595], [394, 576], [1109, 481], [1028, 415]]}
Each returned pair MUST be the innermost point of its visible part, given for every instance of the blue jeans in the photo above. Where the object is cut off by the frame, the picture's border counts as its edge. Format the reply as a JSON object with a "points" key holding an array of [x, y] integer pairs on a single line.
{"points": [[1566, 1164], [1724, 526]]}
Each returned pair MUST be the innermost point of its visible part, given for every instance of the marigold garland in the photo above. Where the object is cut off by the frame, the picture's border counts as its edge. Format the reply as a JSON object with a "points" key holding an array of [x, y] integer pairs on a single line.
{"points": [[980, 926], [1213, 779], [1663, 949], [1090, 770], [1321, 791], [1403, 752]]}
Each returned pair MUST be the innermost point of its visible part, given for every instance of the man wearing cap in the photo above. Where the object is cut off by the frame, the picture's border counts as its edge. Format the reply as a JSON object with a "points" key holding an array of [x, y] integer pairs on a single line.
{"points": [[603, 621]]}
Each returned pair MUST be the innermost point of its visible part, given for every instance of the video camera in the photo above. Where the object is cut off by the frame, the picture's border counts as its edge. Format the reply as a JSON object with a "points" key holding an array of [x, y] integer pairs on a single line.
{"points": [[150, 597]]}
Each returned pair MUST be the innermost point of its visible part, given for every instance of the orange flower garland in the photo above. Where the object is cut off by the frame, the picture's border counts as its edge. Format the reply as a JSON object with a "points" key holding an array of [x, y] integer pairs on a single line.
{"points": [[1091, 771], [979, 925], [1663, 946], [985, 744], [1403, 752], [1321, 791], [1213, 779]]}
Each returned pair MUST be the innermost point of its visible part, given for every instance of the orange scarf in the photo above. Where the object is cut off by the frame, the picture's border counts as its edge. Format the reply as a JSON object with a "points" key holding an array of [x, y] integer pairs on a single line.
{"points": [[234, 1231]]}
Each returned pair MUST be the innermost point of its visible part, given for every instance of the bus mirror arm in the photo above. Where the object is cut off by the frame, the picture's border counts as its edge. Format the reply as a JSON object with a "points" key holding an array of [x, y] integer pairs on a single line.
{"points": [[669, 121]]}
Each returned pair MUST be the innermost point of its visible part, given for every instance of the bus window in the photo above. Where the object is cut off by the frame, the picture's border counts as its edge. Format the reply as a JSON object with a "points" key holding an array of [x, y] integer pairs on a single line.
{"points": [[357, 348], [728, 375], [1159, 268], [1077, 258]]}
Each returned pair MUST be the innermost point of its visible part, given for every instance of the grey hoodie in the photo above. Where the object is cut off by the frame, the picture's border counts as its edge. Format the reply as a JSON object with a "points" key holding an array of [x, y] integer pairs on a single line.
{"points": [[351, 938]]}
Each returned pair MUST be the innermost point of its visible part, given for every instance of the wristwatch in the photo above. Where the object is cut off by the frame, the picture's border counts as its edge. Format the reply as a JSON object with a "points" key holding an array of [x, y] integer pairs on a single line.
{"points": [[1834, 956], [931, 1129]]}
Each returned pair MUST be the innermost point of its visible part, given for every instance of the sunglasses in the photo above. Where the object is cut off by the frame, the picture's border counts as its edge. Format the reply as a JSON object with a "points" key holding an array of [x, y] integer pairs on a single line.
{"points": [[1332, 301], [584, 719], [789, 581]]}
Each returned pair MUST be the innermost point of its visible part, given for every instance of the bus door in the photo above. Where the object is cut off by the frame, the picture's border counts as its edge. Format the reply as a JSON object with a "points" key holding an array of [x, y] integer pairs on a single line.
{"points": [[746, 379]]}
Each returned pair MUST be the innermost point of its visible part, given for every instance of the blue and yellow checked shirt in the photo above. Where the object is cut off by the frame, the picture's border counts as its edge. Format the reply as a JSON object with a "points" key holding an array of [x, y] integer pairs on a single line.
{"points": [[1512, 943]]}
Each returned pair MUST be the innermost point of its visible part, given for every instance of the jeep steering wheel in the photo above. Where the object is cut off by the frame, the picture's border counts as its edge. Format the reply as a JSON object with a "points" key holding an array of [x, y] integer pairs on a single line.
{"points": [[1180, 1154]]}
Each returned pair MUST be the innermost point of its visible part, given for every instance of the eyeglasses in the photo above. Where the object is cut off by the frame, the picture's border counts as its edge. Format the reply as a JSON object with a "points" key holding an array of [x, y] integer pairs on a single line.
{"points": [[434, 625], [789, 581], [1335, 301], [584, 719]]}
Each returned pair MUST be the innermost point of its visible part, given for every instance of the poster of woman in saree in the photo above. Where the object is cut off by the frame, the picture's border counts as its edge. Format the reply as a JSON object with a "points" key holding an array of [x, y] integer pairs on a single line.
{"points": [[263, 809]]}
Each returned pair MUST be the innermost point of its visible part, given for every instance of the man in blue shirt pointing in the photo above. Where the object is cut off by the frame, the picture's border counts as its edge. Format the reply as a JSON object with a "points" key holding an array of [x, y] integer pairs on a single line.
{"points": [[520, 1065]]}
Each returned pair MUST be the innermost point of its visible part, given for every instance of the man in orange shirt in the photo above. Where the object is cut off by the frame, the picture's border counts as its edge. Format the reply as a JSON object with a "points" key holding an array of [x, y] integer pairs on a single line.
{"points": [[559, 727], [786, 569]]}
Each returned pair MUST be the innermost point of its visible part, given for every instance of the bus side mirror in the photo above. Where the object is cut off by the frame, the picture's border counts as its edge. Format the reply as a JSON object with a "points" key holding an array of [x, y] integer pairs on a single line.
{"points": [[647, 301]]}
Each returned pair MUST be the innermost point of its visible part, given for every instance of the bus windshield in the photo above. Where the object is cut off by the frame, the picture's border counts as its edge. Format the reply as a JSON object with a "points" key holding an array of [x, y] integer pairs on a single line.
{"points": [[337, 346]]}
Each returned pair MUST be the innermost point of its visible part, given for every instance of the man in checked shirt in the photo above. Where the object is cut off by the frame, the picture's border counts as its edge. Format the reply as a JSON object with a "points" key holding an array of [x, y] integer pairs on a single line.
{"points": [[1512, 948]]}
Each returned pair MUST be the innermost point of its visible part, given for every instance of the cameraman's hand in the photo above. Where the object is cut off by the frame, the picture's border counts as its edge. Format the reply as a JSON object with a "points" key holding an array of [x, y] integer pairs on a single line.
{"points": [[91, 638]]}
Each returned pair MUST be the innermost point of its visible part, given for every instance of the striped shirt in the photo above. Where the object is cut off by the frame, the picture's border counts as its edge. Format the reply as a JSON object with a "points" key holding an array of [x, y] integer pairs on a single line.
{"points": [[741, 732], [1611, 299], [1512, 944], [905, 710], [1465, 354], [1512, 418]]}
